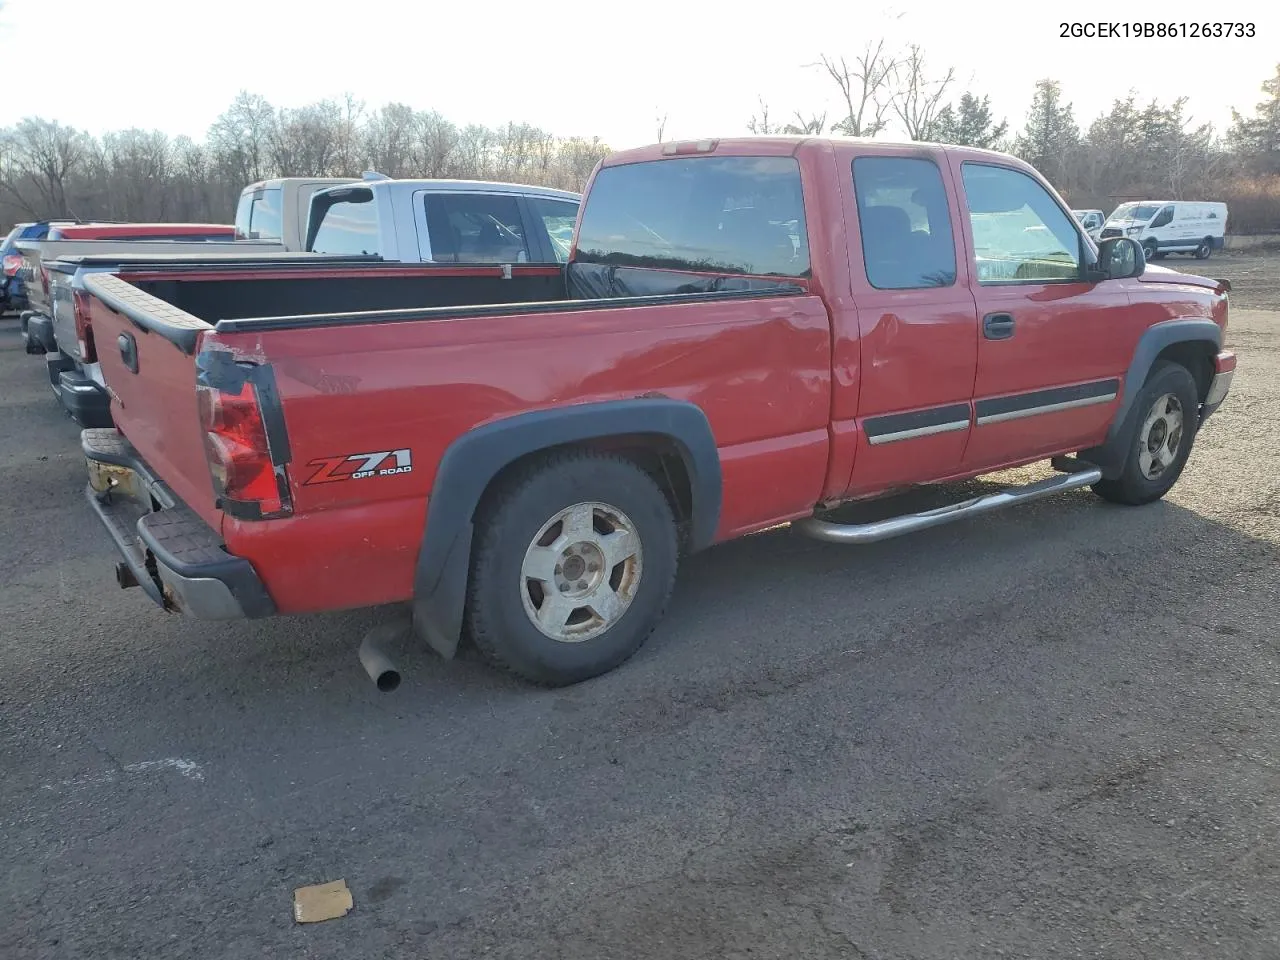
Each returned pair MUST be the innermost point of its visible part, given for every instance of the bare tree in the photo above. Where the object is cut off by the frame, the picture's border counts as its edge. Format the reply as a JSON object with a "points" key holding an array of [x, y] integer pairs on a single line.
{"points": [[812, 126], [45, 155], [918, 99], [759, 123], [866, 86]]}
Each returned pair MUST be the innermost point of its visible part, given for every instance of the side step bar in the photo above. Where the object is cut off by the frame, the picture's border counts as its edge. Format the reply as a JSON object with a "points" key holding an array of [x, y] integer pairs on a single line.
{"points": [[911, 522]]}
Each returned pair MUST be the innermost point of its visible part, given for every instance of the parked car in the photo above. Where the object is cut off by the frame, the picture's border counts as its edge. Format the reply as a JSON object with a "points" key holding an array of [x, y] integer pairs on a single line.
{"points": [[747, 332], [1171, 226], [277, 209], [443, 221], [13, 296], [1091, 221]]}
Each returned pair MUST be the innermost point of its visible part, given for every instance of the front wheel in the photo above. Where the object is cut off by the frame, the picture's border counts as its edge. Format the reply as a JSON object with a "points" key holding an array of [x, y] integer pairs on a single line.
{"points": [[1169, 408], [574, 562]]}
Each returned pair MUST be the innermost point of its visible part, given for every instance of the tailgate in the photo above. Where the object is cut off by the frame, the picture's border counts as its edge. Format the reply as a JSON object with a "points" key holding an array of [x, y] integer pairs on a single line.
{"points": [[147, 351]]}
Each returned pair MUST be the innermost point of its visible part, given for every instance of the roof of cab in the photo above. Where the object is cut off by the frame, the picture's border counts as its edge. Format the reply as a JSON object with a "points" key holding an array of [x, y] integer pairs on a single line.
{"points": [[462, 186], [281, 181], [772, 145]]}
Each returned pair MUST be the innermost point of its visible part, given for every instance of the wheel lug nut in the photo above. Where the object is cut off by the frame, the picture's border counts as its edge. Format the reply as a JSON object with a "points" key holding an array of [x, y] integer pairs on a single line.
{"points": [[593, 566], [582, 584]]}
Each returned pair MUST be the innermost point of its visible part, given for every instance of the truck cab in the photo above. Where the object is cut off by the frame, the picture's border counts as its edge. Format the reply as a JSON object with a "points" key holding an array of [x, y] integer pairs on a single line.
{"points": [[277, 209], [443, 221]]}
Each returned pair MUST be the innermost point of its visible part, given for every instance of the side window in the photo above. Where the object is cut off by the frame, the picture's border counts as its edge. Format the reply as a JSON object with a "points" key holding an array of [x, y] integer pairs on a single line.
{"points": [[265, 219], [904, 222], [558, 218], [348, 225], [1020, 234], [475, 228], [1163, 218]]}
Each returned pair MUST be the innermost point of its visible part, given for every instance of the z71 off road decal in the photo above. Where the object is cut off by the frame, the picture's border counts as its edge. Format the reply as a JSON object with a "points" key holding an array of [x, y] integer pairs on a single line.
{"points": [[357, 466]]}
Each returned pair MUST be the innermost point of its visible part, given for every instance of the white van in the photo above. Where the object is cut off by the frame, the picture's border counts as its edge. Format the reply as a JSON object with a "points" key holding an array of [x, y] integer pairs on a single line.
{"points": [[1090, 220], [1171, 226]]}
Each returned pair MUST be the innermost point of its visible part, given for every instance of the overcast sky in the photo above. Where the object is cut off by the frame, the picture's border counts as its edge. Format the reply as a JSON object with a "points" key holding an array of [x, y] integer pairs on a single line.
{"points": [[606, 69]]}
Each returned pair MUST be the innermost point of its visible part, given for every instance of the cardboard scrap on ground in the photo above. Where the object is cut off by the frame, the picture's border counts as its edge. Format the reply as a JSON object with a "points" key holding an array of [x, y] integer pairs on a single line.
{"points": [[324, 901]]}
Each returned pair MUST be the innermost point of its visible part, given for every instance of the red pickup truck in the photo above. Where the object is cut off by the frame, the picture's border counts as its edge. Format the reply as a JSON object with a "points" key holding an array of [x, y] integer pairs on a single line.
{"points": [[748, 332]]}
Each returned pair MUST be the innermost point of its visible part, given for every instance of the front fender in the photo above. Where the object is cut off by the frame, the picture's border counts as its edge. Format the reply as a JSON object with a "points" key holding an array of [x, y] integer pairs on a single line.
{"points": [[1110, 456]]}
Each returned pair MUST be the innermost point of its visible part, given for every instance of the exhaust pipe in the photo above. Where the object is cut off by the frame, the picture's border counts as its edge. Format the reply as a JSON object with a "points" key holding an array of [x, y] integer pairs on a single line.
{"points": [[376, 663]]}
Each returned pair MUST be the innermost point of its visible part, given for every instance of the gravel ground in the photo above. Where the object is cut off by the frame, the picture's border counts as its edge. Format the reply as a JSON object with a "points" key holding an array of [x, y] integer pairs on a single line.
{"points": [[1050, 733]]}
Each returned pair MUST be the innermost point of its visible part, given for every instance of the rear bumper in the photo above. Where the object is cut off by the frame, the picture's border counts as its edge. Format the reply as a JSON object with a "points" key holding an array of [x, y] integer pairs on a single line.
{"points": [[166, 548], [87, 403], [39, 334], [1224, 371]]}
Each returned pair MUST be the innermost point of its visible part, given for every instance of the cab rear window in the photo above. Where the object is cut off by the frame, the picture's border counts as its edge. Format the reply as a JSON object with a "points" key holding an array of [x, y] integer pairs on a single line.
{"points": [[344, 223], [734, 215]]}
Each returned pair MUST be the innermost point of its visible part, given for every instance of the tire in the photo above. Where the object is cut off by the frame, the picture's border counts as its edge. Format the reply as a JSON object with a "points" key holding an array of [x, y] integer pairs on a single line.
{"points": [[1205, 250], [1169, 389], [599, 496]]}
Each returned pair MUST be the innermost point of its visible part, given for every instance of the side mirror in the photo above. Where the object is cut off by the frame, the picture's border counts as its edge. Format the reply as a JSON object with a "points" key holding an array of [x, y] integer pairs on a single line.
{"points": [[1119, 258]]}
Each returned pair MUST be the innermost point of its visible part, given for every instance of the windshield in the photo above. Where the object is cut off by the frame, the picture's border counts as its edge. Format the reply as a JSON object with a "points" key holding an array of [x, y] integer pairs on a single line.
{"points": [[1135, 211]]}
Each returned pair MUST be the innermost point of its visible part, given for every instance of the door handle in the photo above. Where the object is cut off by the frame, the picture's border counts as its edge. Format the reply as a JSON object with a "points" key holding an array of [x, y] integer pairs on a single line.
{"points": [[997, 326], [128, 351]]}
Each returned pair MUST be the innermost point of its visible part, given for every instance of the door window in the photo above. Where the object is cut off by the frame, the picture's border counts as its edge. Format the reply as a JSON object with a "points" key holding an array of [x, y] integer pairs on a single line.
{"points": [[1020, 233], [475, 228], [1163, 218], [904, 223]]}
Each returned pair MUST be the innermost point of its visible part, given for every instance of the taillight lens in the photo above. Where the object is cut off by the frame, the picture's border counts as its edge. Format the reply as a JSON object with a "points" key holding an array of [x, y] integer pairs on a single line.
{"points": [[84, 332], [246, 480], [44, 279], [12, 264]]}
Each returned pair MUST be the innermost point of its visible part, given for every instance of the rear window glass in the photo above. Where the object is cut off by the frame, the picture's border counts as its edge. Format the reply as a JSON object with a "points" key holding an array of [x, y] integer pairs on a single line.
{"points": [[345, 223], [475, 228], [558, 218], [259, 216], [739, 215]]}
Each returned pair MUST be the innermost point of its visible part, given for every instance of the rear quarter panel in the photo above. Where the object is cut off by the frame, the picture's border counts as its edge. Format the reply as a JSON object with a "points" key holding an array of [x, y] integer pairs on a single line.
{"points": [[759, 369]]}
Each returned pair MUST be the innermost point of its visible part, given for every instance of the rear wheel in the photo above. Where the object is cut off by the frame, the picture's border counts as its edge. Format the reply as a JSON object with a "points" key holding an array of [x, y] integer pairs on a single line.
{"points": [[575, 560], [1205, 249], [1161, 442]]}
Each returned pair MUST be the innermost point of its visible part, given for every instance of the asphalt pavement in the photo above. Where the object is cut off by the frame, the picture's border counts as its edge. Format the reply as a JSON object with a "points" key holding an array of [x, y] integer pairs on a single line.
{"points": [[1053, 732]]}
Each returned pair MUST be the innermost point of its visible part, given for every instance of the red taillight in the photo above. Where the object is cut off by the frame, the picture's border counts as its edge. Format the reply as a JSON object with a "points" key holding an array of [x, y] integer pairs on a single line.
{"points": [[12, 264], [44, 279], [84, 332], [246, 479]]}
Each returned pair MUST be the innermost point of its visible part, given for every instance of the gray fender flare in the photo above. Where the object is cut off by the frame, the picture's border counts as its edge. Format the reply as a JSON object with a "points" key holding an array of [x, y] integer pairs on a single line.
{"points": [[1110, 455], [472, 460]]}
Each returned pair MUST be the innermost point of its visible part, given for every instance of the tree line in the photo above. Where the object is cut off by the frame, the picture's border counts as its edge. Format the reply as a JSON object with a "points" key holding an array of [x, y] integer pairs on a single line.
{"points": [[1134, 151], [48, 169]]}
